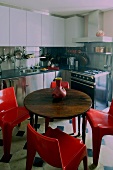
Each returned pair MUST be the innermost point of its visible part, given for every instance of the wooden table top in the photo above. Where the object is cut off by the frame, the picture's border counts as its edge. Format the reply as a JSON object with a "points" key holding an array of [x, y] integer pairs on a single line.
{"points": [[41, 102]]}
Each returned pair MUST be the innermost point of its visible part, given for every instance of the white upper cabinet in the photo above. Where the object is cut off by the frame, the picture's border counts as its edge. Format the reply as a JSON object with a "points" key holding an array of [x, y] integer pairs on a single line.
{"points": [[17, 27], [59, 32], [74, 29], [33, 29], [4, 26], [47, 30]]}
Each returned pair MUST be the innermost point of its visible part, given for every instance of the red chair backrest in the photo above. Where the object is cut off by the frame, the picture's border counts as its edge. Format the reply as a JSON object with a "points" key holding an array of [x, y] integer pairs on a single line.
{"points": [[111, 108], [7, 99], [46, 147], [64, 84]]}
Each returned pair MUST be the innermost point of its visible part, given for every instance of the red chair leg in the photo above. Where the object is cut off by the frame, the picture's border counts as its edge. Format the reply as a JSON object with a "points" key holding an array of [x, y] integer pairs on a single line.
{"points": [[96, 146], [7, 138], [30, 157], [85, 163], [31, 151]]}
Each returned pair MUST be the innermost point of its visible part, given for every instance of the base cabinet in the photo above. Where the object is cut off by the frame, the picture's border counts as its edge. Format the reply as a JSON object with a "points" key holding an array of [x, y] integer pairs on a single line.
{"points": [[34, 82], [25, 85], [48, 78], [58, 73], [66, 76], [20, 91]]}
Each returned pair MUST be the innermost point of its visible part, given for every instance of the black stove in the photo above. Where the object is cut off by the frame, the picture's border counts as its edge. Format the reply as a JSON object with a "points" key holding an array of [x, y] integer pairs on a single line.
{"points": [[93, 72], [88, 74], [93, 82]]}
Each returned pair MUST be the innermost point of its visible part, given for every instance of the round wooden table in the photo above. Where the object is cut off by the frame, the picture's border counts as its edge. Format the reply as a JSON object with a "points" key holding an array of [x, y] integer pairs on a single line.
{"points": [[41, 103]]}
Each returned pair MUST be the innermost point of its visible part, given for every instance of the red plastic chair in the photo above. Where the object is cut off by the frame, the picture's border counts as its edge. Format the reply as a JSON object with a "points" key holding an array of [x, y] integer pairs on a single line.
{"points": [[101, 124], [64, 84], [10, 116], [56, 148]]}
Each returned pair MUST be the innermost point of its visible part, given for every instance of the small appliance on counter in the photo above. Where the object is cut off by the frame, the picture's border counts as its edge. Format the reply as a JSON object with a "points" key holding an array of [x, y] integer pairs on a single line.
{"points": [[71, 63], [76, 64], [43, 61]]}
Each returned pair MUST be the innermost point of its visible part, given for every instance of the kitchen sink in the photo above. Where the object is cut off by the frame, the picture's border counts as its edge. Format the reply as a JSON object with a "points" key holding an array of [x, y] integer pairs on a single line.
{"points": [[29, 71]]}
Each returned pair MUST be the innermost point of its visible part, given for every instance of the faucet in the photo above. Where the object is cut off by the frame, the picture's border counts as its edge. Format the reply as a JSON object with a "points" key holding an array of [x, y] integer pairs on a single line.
{"points": [[19, 68]]}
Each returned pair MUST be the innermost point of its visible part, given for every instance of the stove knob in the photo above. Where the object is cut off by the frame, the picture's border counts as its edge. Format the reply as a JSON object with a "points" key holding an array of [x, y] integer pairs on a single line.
{"points": [[92, 77]]}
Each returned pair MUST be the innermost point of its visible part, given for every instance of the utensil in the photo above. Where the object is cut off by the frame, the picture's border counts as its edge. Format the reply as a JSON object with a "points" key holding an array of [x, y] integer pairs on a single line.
{"points": [[83, 60], [99, 49], [18, 54]]}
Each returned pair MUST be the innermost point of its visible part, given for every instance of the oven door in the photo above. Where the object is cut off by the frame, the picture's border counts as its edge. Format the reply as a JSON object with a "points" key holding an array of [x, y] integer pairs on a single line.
{"points": [[84, 87]]}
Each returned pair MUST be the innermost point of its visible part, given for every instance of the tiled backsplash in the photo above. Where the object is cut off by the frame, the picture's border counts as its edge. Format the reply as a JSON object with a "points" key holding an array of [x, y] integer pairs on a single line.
{"points": [[12, 63], [95, 60]]}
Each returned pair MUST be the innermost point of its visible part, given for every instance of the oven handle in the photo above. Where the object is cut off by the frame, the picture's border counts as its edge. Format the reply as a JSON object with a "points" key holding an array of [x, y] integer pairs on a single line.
{"points": [[83, 84]]}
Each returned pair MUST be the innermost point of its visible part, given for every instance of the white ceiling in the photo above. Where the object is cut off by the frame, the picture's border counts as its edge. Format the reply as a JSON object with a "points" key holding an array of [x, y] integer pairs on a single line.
{"points": [[64, 8]]}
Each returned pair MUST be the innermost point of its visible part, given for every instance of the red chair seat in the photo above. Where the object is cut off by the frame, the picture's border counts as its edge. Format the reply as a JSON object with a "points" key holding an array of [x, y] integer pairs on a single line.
{"points": [[15, 115], [103, 119]]}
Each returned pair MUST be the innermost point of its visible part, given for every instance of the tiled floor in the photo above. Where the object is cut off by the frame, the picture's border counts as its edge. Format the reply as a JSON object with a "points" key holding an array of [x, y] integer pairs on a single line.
{"points": [[18, 151]]}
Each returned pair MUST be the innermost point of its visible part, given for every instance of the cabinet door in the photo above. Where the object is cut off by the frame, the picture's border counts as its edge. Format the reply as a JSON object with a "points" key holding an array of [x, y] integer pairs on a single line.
{"points": [[59, 40], [74, 29], [47, 30], [33, 29], [58, 73], [17, 27], [19, 86], [34, 82], [63, 75], [4, 26], [66, 76], [48, 78]]}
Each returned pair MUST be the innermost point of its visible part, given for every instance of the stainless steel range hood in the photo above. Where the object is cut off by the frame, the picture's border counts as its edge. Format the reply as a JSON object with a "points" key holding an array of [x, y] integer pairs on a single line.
{"points": [[93, 23], [93, 39]]}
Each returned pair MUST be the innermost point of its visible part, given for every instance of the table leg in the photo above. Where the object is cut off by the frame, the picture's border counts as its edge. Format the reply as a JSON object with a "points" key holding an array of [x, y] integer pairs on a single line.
{"points": [[47, 120], [83, 127], [79, 120], [31, 119], [36, 121]]}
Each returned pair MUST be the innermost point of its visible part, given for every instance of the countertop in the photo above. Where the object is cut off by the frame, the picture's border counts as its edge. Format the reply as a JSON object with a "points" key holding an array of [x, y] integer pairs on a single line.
{"points": [[10, 74]]}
